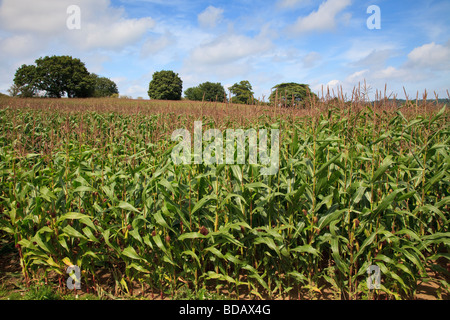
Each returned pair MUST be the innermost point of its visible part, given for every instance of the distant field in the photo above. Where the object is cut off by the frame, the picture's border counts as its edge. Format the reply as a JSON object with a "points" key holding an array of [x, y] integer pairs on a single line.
{"points": [[91, 183]]}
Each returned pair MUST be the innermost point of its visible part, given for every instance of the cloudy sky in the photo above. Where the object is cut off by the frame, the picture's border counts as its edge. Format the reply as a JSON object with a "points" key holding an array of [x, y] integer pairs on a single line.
{"points": [[318, 42]]}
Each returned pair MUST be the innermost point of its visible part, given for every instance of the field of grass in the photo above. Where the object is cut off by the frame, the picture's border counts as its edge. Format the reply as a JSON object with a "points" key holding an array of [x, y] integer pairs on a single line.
{"points": [[91, 183]]}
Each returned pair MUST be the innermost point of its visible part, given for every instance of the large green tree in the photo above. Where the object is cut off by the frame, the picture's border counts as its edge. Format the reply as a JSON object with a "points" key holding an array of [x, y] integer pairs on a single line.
{"points": [[165, 85], [103, 87], [194, 94], [57, 76], [25, 82], [289, 94], [242, 92], [207, 91]]}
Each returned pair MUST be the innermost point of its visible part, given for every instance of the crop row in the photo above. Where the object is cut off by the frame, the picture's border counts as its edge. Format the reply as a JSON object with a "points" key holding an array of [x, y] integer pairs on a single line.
{"points": [[99, 190]]}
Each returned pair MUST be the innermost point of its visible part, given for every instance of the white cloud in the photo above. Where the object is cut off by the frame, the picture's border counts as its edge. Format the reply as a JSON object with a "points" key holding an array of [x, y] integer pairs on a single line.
{"points": [[324, 19], [333, 83], [376, 58], [210, 17], [116, 35], [46, 17], [229, 48], [310, 60], [102, 26], [289, 4], [357, 76], [18, 46], [154, 45], [430, 55]]}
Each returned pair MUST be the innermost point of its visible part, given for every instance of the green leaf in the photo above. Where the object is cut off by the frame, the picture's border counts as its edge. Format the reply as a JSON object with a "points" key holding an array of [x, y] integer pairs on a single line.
{"points": [[127, 206], [138, 267], [269, 242], [71, 216], [69, 230], [193, 255], [237, 172], [41, 243], [202, 202], [191, 235], [326, 165], [135, 234], [326, 220], [387, 201], [256, 185], [387, 162], [306, 248], [298, 276], [359, 194], [215, 251], [366, 243], [88, 232], [160, 220], [84, 189], [255, 274], [131, 253]]}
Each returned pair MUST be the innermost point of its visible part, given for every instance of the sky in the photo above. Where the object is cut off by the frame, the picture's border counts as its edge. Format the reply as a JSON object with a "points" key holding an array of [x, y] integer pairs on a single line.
{"points": [[327, 44]]}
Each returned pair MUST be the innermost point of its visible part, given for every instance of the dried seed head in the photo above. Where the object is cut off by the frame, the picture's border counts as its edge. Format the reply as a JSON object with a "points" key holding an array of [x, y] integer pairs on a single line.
{"points": [[104, 200], [305, 213], [153, 233], [167, 239], [356, 221], [242, 229], [129, 227], [82, 210], [18, 205], [315, 219], [203, 231]]}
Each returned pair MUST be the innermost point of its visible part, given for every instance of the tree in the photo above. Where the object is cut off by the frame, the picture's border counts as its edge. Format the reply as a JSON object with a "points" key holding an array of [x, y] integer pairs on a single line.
{"points": [[207, 91], [242, 92], [25, 82], [289, 94], [56, 75], [103, 87], [194, 94], [165, 85]]}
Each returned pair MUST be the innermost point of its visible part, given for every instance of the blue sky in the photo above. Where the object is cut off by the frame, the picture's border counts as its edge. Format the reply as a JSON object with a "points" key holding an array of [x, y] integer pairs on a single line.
{"points": [[325, 44]]}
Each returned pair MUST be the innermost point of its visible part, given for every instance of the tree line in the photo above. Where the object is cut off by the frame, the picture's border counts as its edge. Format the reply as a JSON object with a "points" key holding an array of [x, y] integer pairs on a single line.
{"points": [[59, 76]]}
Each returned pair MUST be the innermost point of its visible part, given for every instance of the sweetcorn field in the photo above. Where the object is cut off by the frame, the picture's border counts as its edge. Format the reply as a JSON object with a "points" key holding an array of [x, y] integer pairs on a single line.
{"points": [[91, 183]]}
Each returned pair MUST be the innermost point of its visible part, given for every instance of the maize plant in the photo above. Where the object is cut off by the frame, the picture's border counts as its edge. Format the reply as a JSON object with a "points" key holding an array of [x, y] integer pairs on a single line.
{"points": [[92, 183]]}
